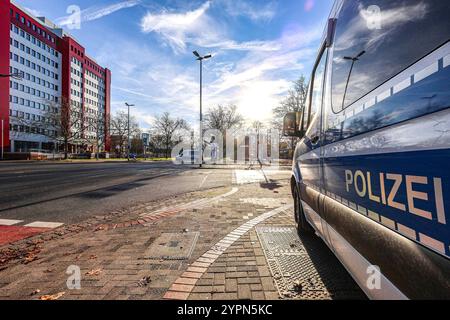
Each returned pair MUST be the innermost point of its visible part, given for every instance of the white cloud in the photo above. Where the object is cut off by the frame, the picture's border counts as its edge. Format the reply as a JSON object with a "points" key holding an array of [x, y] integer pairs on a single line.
{"points": [[257, 81], [196, 27], [34, 12], [254, 75], [252, 11], [178, 28], [95, 12]]}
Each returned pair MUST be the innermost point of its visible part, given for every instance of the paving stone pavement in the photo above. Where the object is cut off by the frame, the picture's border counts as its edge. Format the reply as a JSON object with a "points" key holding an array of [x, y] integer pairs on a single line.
{"points": [[111, 251]]}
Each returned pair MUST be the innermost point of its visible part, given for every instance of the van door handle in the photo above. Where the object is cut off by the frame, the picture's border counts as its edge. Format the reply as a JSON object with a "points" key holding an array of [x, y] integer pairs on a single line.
{"points": [[315, 140]]}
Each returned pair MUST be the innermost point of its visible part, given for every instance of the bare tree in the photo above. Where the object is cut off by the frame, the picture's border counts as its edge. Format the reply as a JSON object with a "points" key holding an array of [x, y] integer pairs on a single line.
{"points": [[119, 128], [61, 122], [223, 118], [96, 134], [294, 101], [167, 127], [157, 144]]}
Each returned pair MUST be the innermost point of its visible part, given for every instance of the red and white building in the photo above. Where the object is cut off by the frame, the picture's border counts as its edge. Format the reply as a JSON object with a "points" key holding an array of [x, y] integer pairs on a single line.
{"points": [[54, 68]]}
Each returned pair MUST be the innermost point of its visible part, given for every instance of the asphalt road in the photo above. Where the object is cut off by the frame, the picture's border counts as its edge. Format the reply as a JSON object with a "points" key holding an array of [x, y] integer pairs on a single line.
{"points": [[70, 193]]}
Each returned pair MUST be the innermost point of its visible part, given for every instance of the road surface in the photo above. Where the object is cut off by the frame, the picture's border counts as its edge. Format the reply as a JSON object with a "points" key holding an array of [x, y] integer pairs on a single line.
{"points": [[72, 192]]}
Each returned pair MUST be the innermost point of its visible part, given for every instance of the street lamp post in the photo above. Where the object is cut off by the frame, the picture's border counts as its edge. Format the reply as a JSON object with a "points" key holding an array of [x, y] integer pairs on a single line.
{"points": [[201, 58], [129, 129]]}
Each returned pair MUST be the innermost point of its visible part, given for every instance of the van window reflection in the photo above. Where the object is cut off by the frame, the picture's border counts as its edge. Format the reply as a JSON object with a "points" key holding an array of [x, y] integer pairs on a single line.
{"points": [[389, 47]]}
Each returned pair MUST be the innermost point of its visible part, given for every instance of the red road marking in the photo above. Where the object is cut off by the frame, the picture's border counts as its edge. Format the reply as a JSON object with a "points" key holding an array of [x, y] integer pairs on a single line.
{"points": [[9, 234]]}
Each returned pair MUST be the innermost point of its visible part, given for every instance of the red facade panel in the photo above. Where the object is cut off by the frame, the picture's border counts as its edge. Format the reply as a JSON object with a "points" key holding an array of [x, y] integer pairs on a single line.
{"points": [[4, 69], [107, 108]]}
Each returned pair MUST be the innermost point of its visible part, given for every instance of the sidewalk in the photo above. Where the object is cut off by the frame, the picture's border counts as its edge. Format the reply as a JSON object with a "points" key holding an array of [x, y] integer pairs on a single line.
{"points": [[202, 245]]}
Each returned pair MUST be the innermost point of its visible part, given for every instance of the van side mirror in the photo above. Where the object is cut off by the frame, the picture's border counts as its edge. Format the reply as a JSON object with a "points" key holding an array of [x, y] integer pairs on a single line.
{"points": [[291, 125]]}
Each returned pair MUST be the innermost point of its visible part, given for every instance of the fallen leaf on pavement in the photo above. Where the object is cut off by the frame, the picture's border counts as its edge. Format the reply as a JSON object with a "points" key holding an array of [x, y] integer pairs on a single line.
{"points": [[94, 272], [35, 292], [52, 297], [144, 282], [30, 258], [298, 287]]}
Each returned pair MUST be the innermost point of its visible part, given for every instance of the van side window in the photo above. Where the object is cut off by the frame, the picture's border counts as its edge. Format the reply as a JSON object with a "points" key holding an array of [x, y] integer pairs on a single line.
{"points": [[317, 89], [376, 40]]}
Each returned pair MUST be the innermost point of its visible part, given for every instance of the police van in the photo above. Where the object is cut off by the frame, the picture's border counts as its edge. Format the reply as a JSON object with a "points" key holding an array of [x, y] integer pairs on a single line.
{"points": [[371, 173]]}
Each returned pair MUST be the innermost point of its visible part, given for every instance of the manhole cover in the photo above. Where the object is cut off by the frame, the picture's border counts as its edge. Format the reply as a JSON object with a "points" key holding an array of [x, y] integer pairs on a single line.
{"points": [[172, 246], [305, 268]]}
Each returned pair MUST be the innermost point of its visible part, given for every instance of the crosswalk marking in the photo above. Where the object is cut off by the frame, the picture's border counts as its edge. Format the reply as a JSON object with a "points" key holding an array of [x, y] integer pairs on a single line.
{"points": [[47, 225], [248, 176], [7, 222]]}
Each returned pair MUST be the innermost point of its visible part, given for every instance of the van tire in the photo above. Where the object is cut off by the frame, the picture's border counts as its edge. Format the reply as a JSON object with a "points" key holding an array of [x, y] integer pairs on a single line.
{"points": [[303, 226]]}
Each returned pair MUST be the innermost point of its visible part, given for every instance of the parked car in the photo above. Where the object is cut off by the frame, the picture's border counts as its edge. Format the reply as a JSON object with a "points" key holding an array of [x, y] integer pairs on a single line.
{"points": [[371, 174]]}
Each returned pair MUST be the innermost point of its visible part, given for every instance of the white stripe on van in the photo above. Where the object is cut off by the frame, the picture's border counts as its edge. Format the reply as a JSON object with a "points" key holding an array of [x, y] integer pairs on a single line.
{"points": [[395, 139], [402, 85], [433, 243], [420, 71], [426, 72], [447, 61]]}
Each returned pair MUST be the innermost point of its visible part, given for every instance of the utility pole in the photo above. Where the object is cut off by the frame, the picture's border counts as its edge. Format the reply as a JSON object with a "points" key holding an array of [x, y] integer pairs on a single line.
{"points": [[129, 131], [201, 58]]}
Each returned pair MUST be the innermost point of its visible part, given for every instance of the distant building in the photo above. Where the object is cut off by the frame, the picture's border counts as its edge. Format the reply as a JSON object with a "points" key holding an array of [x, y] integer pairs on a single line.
{"points": [[55, 68]]}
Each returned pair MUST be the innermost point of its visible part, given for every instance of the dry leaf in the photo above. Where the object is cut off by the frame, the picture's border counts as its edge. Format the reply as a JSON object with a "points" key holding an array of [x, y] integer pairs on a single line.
{"points": [[30, 258], [52, 297], [94, 272], [35, 292], [144, 282]]}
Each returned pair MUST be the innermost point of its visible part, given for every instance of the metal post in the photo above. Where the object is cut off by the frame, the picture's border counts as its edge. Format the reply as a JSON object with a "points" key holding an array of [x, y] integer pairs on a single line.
{"points": [[129, 139], [200, 59], [201, 112]]}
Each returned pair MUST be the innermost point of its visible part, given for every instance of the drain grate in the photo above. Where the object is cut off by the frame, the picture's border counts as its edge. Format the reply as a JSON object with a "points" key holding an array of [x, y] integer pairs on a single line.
{"points": [[172, 246], [304, 268]]}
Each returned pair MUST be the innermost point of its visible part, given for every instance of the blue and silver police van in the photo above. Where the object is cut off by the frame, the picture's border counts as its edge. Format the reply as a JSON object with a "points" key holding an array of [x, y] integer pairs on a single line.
{"points": [[371, 173]]}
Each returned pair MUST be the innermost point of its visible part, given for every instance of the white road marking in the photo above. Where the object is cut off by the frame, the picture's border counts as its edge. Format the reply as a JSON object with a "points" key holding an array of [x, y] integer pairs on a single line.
{"points": [[7, 222], [41, 224], [203, 181], [266, 202], [221, 247], [248, 176]]}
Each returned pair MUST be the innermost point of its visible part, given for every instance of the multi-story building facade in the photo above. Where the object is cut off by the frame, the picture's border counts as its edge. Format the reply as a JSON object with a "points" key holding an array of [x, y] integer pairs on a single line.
{"points": [[58, 80]]}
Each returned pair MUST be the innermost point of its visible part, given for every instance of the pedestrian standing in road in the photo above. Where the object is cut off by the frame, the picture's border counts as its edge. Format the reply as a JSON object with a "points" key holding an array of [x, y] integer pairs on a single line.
{"points": [[214, 150]]}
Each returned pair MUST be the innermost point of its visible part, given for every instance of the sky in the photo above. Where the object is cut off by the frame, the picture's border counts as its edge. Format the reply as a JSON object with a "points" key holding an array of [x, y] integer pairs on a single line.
{"points": [[259, 48]]}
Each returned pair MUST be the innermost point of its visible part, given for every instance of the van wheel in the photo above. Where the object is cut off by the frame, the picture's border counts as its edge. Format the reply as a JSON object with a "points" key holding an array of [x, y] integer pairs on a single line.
{"points": [[302, 224]]}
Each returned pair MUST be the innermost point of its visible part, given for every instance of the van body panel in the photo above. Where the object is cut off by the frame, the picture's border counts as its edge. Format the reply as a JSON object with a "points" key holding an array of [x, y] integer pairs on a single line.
{"points": [[377, 181], [354, 262]]}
